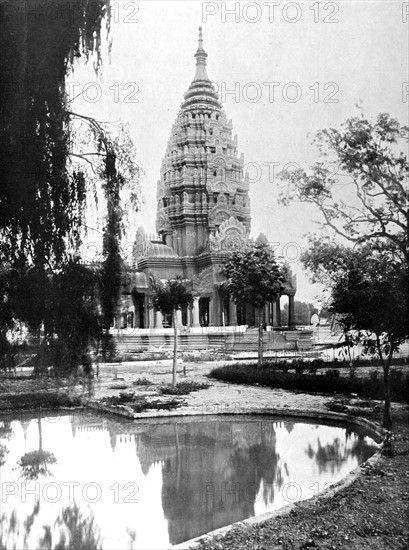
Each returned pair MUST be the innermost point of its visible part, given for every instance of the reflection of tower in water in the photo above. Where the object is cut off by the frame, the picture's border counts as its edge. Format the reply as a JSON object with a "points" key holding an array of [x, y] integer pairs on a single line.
{"points": [[212, 471], [216, 474]]}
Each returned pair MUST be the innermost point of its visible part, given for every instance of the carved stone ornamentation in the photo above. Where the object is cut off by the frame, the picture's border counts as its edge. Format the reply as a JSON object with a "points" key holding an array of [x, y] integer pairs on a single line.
{"points": [[203, 282], [231, 235], [142, 245], [162, 220]]}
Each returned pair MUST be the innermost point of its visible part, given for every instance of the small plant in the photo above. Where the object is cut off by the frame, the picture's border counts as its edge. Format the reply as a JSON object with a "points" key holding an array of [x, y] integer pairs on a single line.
{"points": [[143, 404], [299, 366], [183, 388], [284, 366], [139, 403], [314, 365], [374, 375], [118, 386], [332, 373], [120, 399], [396, 376], [142, 382]]}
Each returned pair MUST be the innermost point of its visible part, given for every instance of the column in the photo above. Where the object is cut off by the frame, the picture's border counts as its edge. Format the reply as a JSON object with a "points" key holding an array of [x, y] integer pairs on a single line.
{"points": [[158, 319], [278, 312], [151, 317], [146, 312], [215, 310], [266, 315], [211, 312], [179, 317], [291, 323], [233, 313], [195, 312]]}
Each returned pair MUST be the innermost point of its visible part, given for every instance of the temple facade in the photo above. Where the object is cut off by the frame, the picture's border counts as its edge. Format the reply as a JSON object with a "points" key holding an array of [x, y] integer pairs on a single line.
{"points": [[203, 213]]}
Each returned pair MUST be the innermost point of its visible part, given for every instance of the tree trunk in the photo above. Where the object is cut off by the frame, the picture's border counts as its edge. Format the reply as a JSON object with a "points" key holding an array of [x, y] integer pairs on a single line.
{"points": [[40, 434], [260, 337], [175, 347], [387, 417], [351, 365]]}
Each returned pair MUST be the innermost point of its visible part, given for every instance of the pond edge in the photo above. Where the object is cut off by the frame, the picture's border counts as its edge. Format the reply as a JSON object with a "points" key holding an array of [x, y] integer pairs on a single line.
{"points": [[372, 428]]}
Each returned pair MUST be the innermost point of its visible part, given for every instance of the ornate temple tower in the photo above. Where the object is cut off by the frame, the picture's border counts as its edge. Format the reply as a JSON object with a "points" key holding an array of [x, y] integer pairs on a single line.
{"points": [[203, 213], [201, 180]]}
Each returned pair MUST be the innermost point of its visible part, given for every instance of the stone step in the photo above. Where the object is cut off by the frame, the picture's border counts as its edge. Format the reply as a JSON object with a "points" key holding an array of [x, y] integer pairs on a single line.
{"points": [[233, 342]]}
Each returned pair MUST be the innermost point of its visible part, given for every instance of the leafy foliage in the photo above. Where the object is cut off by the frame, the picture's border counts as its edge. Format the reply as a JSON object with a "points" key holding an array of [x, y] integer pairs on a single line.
{"points": [[139, 403], [35, 464], [374, 293], [64, 303], [253, 275], [369, 288], [183, 388], [172, 295], [359, 186], [40, 201], [48, 168]]}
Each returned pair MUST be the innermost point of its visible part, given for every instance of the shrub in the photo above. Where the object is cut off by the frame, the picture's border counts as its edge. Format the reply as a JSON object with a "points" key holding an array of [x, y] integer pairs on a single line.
{"points": [[299, 366], [118, 386], [284, 366], [396, 376], [120, 399], [183, 388], [142, 404], [139, 403], [373, 375], [43, 400], [142, 382]]}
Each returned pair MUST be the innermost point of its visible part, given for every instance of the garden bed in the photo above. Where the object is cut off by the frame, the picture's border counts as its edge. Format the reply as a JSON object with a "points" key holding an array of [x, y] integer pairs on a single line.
{"points": [[328, 382]]}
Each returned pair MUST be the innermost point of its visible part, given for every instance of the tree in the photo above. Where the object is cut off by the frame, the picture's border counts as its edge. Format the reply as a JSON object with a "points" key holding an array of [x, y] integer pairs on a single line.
{"points": [[35, 463], [171, 296], [360, 185], [44, 156], [360, 188], [369, 291], [40, 201], [375, 296], [253, 276]]}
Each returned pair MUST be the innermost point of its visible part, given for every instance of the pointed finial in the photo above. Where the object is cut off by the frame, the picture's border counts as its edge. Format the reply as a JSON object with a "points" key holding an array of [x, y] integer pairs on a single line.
{"points": [[200, 39], [200, 56]]}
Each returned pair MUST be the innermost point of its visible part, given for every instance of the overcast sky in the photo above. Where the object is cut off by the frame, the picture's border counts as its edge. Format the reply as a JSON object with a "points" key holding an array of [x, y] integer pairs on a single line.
{"points": [[318, 59]]}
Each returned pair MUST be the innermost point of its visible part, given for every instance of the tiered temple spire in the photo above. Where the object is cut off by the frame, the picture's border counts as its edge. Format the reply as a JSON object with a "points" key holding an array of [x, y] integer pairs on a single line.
{"points": [[202, 184]]}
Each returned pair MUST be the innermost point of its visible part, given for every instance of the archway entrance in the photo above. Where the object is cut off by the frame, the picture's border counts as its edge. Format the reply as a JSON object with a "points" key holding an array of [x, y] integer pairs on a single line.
{"points": [[139, 303], [204, 309]]}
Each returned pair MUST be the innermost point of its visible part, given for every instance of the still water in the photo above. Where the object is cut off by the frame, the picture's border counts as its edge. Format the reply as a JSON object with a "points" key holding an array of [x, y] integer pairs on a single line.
{"points": [[87, 481]]}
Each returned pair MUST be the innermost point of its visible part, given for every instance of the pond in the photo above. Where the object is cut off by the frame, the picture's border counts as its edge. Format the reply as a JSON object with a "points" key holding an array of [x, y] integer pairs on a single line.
{"points": [[89, 481]]}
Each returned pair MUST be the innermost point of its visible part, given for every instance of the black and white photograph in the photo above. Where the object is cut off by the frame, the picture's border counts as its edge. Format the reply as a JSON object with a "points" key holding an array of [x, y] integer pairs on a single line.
{"points": [[204, 275]]}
